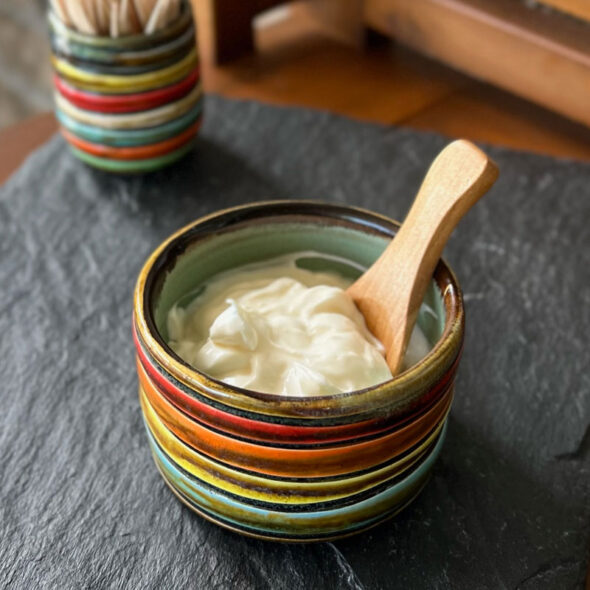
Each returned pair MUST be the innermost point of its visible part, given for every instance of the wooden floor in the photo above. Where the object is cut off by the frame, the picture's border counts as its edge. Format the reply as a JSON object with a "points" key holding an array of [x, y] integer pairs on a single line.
{"points": [[298, 63]]}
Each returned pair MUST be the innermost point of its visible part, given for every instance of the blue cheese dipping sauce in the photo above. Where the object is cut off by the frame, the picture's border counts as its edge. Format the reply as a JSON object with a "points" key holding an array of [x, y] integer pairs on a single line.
{"points": [[275, 327]]}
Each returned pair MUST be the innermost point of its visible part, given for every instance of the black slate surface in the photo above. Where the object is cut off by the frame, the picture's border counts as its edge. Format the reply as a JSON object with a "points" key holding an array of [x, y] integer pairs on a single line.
{"points": [[82, 505]]}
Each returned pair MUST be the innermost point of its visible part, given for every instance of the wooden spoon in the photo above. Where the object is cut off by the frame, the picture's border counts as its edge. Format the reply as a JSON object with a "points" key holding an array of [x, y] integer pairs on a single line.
{"points": [[389, 294]]}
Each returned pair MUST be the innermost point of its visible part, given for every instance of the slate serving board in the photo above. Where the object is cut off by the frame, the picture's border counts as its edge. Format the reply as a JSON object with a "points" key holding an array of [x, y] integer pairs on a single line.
{"points": [[82, 505]]}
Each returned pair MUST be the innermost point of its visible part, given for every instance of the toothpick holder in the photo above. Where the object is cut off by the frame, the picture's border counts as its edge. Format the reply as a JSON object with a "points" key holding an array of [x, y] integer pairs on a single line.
{"points": [[129, 104]]}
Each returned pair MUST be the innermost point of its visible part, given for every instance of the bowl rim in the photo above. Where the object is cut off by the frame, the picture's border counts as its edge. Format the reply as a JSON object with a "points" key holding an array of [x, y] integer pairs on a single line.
{"points": [[400, 390], [138, 40]]}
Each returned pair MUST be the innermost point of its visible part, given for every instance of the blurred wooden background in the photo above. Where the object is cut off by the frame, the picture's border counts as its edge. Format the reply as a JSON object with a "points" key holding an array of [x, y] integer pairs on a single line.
{"points": [[531, 49], [315, 53]]}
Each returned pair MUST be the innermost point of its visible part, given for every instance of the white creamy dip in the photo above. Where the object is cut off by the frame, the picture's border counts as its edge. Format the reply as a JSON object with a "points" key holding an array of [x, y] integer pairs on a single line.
{"points": [[276, 328]]}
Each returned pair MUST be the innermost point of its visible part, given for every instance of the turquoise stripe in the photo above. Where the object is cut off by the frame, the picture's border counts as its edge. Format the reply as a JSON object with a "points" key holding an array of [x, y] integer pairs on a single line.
{"points": [[289, 535], [63, 46], [207, 497], [130, 137]]}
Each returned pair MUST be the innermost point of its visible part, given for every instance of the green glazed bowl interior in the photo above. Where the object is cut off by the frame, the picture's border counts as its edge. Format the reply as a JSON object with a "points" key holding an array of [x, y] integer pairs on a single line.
{"points": [[260, 231], [258, 243]]}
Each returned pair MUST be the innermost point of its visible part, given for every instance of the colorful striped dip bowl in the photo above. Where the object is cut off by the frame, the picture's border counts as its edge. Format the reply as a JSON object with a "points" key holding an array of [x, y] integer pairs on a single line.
{"points": [[129, 104], [278, 467]]}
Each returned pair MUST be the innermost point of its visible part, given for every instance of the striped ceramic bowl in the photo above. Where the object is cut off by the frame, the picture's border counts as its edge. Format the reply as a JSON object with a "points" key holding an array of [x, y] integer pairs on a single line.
{"points": [[130, 104], [277, 467]]}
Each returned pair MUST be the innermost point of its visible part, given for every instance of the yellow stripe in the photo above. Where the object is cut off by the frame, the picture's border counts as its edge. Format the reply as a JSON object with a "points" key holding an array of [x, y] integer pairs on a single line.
{"points": [[125, 83], [191, 462], [139, 120]]}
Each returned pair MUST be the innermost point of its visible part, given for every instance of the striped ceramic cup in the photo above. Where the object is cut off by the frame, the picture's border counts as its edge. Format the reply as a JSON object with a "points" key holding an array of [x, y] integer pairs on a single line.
{"points": [[128, 104]]}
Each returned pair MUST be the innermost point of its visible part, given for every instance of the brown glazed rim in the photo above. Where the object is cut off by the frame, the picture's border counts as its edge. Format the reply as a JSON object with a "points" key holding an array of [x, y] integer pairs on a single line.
{"points": [[399, 391]]}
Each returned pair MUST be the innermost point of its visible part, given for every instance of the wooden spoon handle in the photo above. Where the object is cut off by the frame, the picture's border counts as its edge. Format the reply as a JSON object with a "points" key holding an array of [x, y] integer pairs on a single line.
{"points": [[390, 293]]}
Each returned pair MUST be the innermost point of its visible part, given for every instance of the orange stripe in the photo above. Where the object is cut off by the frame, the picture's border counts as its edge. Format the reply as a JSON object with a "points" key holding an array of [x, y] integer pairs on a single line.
{"points": [[316, 462], [132, 153]]}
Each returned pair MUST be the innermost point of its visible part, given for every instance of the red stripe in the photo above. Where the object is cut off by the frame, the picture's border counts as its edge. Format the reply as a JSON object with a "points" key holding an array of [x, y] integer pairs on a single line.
{"points": [[126, 103], [267, 431]]}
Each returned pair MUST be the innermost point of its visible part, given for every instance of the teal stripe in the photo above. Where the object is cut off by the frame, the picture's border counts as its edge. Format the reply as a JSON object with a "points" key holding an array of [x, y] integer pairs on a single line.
{"points": [[130, 137], [63, 46], [299, 535], [207, 498]]}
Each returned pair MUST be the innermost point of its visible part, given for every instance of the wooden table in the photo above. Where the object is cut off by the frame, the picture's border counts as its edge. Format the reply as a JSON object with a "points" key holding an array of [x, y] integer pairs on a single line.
{"points": [[299, 63]]}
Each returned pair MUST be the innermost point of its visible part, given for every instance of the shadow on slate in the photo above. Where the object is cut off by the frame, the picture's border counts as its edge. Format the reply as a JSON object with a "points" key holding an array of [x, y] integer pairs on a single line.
{"points": [[82, 504]]}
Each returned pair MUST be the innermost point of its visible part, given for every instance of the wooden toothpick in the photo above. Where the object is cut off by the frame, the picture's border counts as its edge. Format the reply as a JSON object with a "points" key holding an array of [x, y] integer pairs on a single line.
{"points": [[116, 17]]}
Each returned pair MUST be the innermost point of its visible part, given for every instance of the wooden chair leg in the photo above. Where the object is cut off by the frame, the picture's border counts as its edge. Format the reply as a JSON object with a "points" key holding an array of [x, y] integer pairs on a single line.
{"points": [[225, 26], [342, 19]]}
